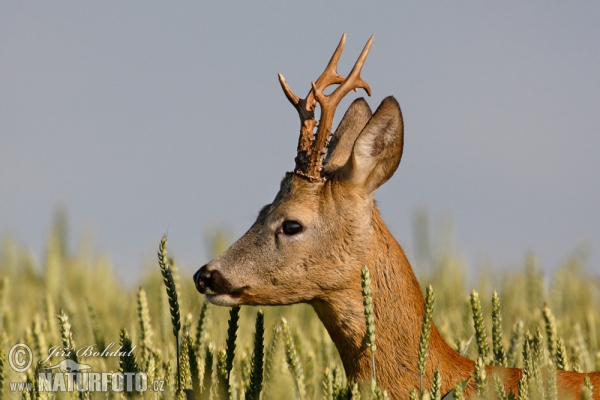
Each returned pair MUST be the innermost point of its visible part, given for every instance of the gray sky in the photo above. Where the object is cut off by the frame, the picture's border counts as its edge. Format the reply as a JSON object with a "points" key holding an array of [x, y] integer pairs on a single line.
{"points": [[142, 118]]}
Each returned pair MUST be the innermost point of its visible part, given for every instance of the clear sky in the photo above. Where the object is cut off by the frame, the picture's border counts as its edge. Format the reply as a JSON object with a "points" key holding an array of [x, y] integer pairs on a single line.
{"points": [[147, 117]]}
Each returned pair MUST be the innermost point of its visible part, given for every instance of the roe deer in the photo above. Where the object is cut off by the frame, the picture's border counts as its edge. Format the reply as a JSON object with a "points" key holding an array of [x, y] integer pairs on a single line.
{"points": [[310, 244]]}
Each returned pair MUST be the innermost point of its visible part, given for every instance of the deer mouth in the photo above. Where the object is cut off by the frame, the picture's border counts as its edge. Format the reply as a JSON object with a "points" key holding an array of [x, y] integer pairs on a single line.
{"points": [[229, 299], [224, 299]]}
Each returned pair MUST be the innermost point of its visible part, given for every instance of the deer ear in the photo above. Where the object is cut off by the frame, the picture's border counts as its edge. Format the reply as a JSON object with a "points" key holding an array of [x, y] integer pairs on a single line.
{"points": [[342, 141], [378, 149]]}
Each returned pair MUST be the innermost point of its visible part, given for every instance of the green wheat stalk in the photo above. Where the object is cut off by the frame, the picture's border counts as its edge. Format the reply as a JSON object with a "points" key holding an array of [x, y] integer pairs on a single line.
{"points": [[208, 372], [538, 342], [256, 374], [515, 344], [150, 368], [369, 316], [526, 377], [175, 272], [337, 381], [536, 384], [327, 384], [481, 381], [499, 389], [202, 327], [184, 365], [378, 394], [527, 356], [458, 392], [551, 379], [193, 362], [425, 333], [480, 332], [169, 282], [436, 386], [561, 354], [222, 375], [497, 346], [234, 316], [66, 334], [414, 395], [354, 392], [587, 392], [127, 363], [550, 332], [146, 332], [292, 359], [269, 356]]}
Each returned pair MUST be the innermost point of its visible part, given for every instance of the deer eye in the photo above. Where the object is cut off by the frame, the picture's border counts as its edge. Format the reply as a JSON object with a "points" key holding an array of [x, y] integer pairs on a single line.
{"points": [[291, 227]]}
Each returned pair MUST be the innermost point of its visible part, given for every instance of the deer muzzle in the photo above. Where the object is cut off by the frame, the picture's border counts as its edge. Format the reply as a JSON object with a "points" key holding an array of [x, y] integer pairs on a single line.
{"points": [[215, 286]]}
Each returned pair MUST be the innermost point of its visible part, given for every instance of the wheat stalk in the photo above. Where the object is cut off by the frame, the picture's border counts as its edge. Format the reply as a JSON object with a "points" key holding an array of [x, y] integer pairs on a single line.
{"points": [[425, 333], [256, 374], [292, 359], [481, 381], [479, 325], [369, 317], [66, 334], [169, 282], [497, 346]]}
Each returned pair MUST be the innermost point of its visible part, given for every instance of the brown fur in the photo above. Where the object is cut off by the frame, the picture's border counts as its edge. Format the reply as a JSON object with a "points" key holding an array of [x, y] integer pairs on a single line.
{"points": [[321, 265]]}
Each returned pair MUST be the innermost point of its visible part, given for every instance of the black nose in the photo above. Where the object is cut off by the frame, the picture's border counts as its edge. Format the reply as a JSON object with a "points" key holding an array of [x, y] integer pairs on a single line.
{"points": [[203, 279]]}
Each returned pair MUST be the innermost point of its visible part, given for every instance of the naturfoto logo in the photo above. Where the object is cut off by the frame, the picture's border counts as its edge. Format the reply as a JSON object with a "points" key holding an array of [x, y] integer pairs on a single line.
{"points": [[70, 376]]}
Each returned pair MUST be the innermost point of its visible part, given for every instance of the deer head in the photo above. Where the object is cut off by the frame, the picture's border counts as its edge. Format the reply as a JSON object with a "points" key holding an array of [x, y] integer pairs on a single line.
{"points": [[310, 244], [318, 232]]}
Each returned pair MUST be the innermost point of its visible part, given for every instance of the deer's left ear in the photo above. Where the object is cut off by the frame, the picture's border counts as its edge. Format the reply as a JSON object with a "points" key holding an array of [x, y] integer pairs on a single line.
{"points": [[378, 149]]}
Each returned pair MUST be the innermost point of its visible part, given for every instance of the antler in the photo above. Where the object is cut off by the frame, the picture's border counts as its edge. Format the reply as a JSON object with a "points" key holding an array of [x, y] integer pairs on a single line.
{"points": [[311, 151]]}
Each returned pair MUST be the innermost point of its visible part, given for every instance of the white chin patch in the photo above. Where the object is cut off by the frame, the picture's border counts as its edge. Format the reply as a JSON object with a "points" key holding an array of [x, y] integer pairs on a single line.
{"points": [[222, 300]]}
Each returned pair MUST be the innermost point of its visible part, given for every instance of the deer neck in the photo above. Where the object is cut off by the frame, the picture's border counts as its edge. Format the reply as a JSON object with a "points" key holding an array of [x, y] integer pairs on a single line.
{"points": [[398, 306]]}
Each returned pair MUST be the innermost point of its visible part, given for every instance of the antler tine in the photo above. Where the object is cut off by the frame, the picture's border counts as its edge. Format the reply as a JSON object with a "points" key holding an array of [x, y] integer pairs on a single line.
{"points": [[355, 73], [353, 82], [330, 75], [331, 68], [288, 92]]}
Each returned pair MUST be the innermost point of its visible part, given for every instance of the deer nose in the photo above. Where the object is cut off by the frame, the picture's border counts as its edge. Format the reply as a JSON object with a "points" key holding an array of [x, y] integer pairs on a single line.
{"points": [[203, 279]]}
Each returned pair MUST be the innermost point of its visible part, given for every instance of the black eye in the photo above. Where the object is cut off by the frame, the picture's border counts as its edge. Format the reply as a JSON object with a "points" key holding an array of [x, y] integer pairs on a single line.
{"points": [[291, 227]]}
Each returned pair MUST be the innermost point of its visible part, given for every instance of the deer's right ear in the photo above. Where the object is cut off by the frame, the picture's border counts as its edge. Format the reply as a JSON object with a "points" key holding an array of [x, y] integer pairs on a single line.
{"points": [[378, 149]]}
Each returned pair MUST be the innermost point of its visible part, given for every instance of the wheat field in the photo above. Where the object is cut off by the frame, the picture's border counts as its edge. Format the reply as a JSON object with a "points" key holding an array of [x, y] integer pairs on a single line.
{"points": [[74, 300]]}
